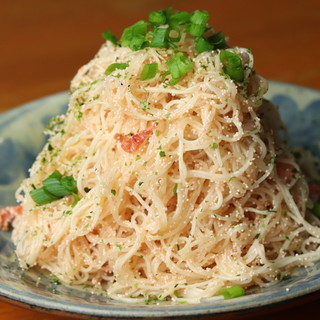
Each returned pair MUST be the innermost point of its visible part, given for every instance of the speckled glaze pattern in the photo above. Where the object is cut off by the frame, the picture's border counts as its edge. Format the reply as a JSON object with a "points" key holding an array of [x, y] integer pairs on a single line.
{"points": [[21, 139]]}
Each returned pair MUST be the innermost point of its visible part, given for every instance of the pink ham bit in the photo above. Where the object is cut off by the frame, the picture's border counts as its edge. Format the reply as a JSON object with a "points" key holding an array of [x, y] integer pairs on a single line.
{"points": [[131, 143], [7, 215]]}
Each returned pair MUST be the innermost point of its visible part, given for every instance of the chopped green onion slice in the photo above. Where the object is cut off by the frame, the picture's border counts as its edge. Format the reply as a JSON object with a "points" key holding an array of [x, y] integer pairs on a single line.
{"points": [[41, 196], [232, 60], [316, 209], [196, 30], [218, 41], [179, 18], [172, 45], [232, 292], [149, 71], [69, 184], [179, 66], [134, 36], [200, 17], [55, 174], [55, 187], [235, 74], [199, 20], [160, 36], [138, 42], [203, 45], [232, 65], [178, 31], [115, 66], [108, 35], [158, 17]]}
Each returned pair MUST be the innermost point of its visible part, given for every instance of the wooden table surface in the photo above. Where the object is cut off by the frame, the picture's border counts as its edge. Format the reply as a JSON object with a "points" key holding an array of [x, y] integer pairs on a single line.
{"points": [[44, 42]]}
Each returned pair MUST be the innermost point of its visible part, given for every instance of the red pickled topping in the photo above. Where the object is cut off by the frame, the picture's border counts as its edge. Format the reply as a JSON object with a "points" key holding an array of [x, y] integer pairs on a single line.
{"points": [[7, 215], [131, 143]]}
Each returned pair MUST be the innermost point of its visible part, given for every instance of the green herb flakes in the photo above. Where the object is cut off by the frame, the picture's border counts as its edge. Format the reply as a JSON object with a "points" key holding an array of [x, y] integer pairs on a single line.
{"points": [[145, 105], [175, 189], [214, 145]]}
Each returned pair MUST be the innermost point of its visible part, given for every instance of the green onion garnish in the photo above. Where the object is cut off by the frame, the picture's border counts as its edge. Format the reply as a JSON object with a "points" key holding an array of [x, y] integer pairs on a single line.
{"points": [[69, 184], [200, 17], [134, 36], [156, 32], [158, 17], [55, 187], [149, 71], [179, 66], [232, 65], [218, 41], [116, 66], [203, 45], [232, 292], [160, 36], [174, 39], [164, 29], [41, 196], [199, 20], [108, 35], [138, 42], [179, 18], [55, 174], [316, 209]]}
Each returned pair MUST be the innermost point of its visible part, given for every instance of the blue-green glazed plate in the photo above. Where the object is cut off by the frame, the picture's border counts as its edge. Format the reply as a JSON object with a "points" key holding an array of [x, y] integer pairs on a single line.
{"points": [[21, 139]]}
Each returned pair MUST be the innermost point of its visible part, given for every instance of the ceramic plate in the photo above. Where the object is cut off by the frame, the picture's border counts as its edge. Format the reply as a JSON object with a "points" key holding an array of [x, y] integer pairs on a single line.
{"points": [[21, 139]]}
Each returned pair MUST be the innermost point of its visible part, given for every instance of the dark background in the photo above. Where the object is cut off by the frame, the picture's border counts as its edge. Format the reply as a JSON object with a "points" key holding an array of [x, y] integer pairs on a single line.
{"points": [[44, 42]]}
